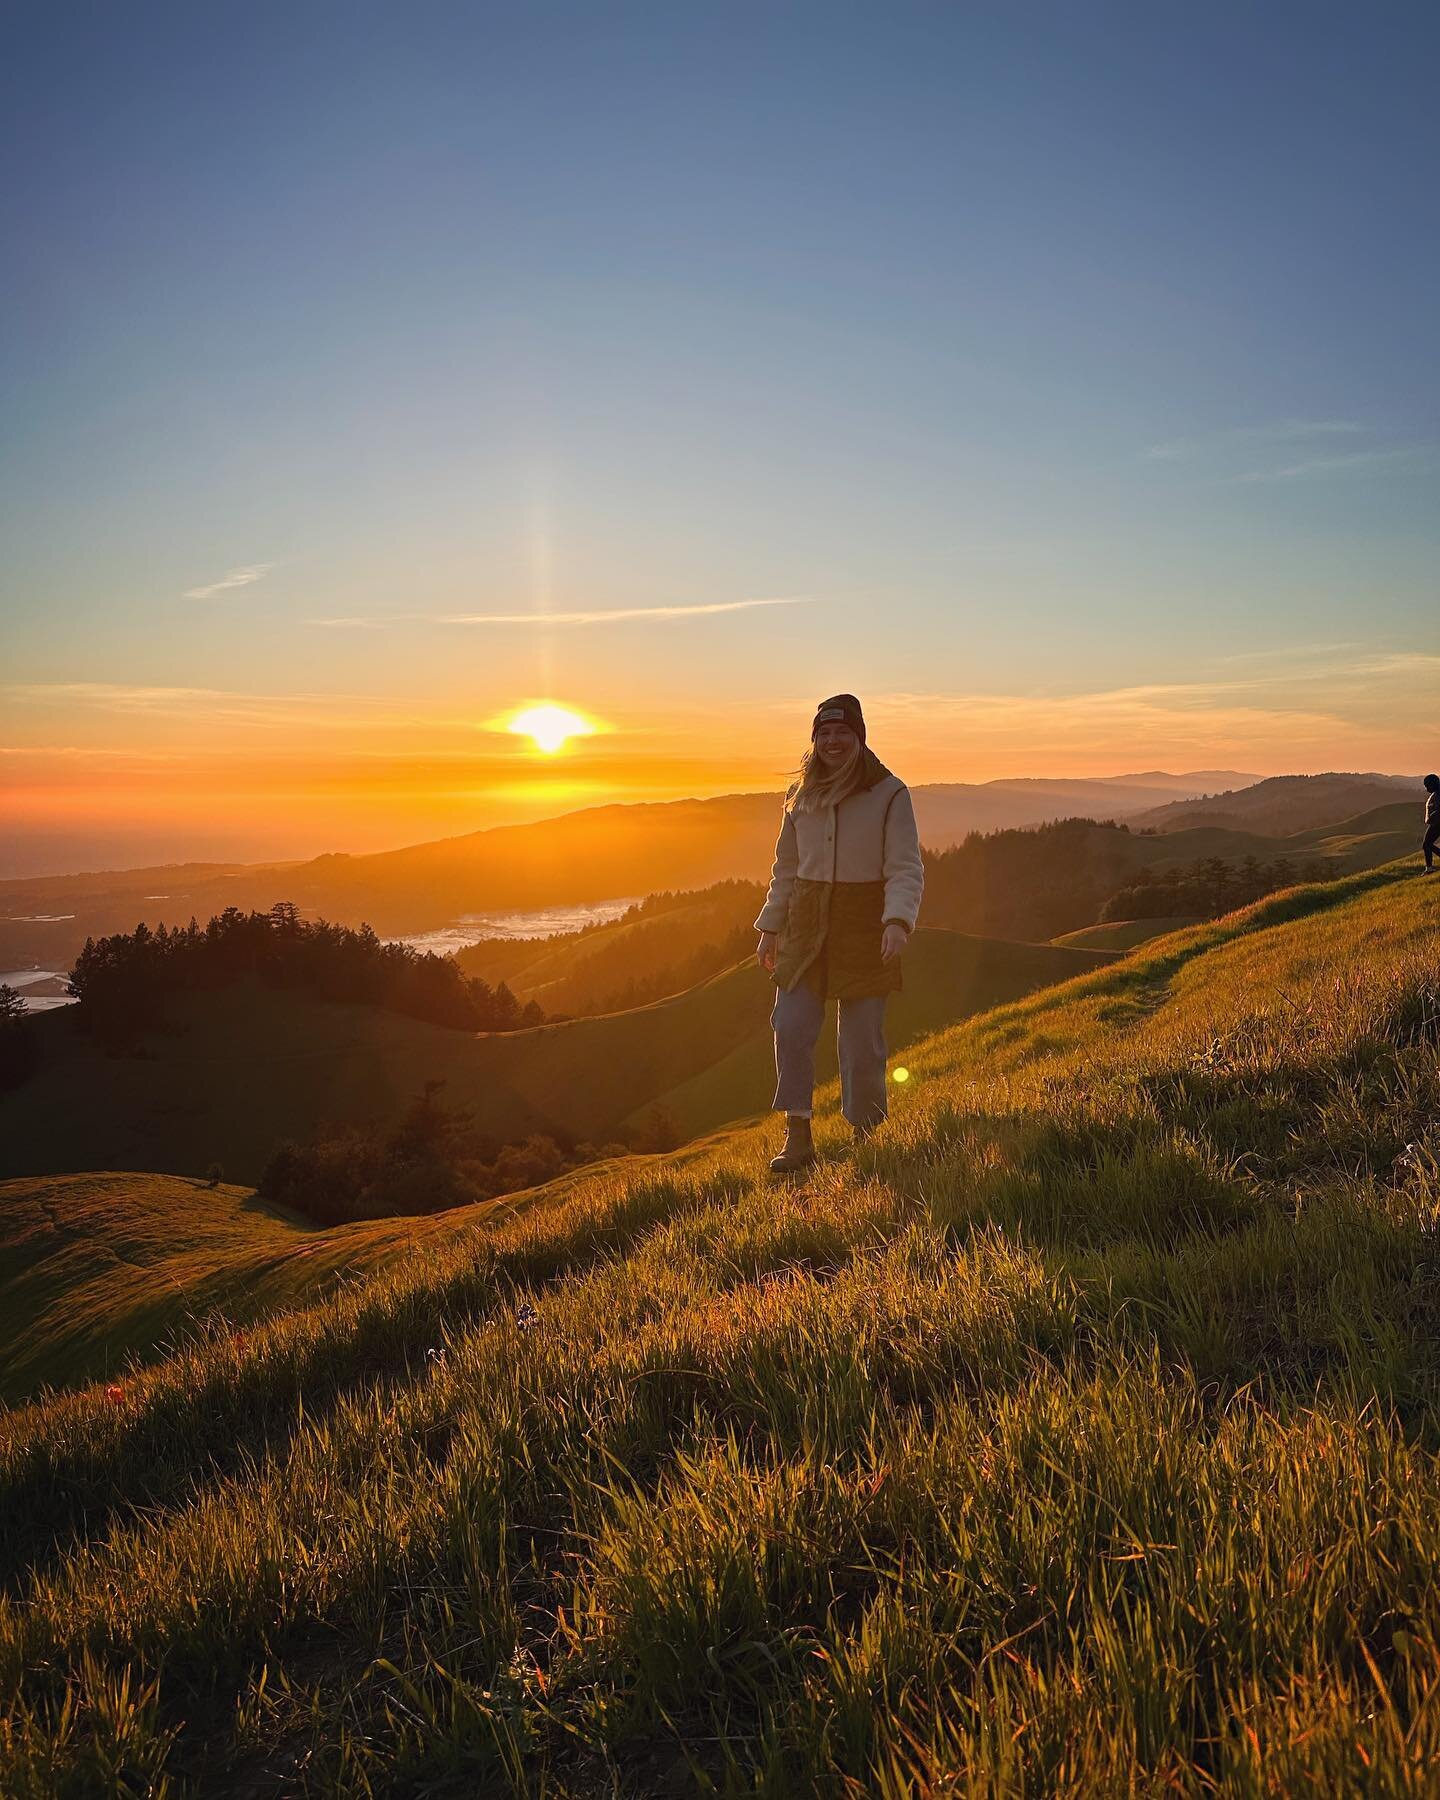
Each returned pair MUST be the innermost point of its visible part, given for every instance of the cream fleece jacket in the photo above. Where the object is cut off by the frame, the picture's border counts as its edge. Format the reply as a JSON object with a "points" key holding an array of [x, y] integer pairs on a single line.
{"points": [[869, 836]]}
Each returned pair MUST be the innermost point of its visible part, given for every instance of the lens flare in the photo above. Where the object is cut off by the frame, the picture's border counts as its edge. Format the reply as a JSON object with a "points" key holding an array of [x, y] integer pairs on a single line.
{"points": [[899, 1074]]}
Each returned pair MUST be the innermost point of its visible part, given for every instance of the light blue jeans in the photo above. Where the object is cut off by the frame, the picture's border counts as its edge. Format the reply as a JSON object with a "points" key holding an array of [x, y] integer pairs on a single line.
{"points": [[797, 1017]]}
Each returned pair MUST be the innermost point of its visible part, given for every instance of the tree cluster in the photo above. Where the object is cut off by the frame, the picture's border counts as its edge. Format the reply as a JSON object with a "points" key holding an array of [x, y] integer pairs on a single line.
{"points": [[1030, 883], [123, 981], [1205, 889], [19, 1045], [674, 977], [426, 1163]]}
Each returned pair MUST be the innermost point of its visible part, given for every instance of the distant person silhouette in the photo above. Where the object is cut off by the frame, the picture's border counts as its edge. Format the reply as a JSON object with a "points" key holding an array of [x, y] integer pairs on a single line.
{"points": [[843, 899], [1432, 821]]}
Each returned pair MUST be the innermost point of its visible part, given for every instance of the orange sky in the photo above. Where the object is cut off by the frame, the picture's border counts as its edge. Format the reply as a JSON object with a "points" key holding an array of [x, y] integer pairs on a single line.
{"points": [[650, 383], [171, 773]]}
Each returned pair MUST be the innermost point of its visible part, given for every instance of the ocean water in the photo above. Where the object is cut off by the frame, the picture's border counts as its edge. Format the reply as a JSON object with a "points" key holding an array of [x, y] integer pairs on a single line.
{"points": [[41, 990], [546, 921]]}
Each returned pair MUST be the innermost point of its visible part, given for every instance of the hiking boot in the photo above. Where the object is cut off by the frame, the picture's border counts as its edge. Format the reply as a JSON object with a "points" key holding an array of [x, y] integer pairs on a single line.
{"points": [[799, 1151]]}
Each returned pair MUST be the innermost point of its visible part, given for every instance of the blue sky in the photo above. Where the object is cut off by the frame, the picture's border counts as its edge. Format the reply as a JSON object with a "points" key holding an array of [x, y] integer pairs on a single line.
{"points": [[1024, 359]]}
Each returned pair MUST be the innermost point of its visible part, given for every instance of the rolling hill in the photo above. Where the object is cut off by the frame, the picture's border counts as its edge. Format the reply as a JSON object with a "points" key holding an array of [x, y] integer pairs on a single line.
{"points": [[947, 812], [1283, 804], [596, 853], [1046, 883], [580, 972], [1122, 935], [670, 939], [98, 1267], [245, 1066], [1077, 1435]]}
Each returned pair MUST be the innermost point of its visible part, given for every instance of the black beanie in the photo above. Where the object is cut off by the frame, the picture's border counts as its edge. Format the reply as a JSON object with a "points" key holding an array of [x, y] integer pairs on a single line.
{"points": [[841, 709]]}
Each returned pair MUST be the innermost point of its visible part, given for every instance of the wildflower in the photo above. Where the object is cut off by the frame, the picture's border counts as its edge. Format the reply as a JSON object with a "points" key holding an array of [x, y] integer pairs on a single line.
{"points": [[436, 1356], [114, 1391], [526, 1316]]}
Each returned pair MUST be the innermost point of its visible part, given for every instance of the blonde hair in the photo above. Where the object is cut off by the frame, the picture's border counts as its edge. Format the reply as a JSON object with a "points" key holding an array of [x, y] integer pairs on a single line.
{"points": [[817, 787]]}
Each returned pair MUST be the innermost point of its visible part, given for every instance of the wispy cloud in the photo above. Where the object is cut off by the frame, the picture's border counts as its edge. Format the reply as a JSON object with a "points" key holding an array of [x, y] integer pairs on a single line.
{"points": [[609, 616], [1290, 654], [1360, 462], [1280, 431], [212, 704], [1340, 702], [237, 578], [1186, 719], [1402, 662], [1317, 450], [86, 751]]}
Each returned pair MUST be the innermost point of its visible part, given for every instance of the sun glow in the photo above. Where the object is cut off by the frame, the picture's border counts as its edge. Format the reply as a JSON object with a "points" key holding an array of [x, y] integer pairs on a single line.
{"points": [[550, 726]]}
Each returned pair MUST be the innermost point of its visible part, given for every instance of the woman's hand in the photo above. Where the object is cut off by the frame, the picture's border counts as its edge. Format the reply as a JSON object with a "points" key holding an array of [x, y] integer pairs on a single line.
{"points": [[895, 938], [765, 950]]}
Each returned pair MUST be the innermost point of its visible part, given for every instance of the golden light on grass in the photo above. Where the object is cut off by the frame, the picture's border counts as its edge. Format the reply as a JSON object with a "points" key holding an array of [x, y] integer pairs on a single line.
{"points": [[899, 1074], [550, 726], [1096, 1419]]}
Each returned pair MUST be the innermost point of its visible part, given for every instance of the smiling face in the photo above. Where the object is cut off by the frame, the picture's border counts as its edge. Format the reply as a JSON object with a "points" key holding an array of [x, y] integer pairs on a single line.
{"points": [[834, 742]]}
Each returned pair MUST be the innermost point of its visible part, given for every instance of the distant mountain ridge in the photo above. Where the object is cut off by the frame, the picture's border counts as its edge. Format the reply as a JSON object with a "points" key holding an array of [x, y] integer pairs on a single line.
{"points": [[1042, 884], [1283, 804], [592, 854], [947, 812]]}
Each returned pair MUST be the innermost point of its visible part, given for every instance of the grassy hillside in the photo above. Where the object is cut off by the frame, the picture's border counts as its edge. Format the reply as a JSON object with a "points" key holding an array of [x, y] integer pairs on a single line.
{"points": [[1370, 838], [948, 976], [584, 972], [1047, 883], [1283, 804], [600, 968], [1122, 935], [246, 1066], [1079, 1434], [97, 1268]]}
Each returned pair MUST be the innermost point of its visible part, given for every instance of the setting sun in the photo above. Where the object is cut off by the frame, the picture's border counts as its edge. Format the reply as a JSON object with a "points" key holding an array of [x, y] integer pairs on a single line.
{"points": [[550, 726]]}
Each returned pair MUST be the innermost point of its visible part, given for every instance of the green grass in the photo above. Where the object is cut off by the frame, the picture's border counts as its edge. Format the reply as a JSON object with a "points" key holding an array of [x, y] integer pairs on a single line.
{"points": [[97, 1270], [246, 1066], [1122, 935], [1076, 1435], [948, 976], [585, 972]]}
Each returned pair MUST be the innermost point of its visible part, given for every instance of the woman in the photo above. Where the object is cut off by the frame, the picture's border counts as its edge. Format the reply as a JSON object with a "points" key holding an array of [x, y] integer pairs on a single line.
{"points": [[844, 895]]}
